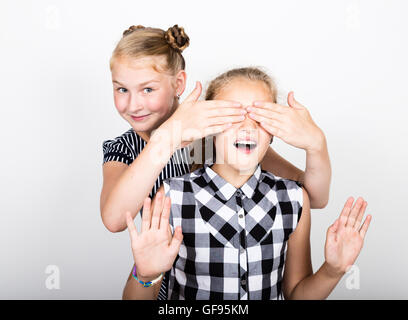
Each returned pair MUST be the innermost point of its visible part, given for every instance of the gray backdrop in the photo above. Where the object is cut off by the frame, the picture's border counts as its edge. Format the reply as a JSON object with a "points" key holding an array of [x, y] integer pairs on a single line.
{"points": [[345, 60]]}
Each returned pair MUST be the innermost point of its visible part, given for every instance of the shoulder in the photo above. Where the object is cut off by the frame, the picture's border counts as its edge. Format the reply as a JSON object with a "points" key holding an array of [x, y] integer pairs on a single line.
{"points": [[287, 194], [292, 188], [128, 139], [181, 182], [123, 148], [182, 186]]}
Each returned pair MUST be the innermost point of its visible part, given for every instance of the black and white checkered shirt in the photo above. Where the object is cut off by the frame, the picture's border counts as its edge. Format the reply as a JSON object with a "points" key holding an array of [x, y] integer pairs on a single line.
{"points": [[234, 243]]}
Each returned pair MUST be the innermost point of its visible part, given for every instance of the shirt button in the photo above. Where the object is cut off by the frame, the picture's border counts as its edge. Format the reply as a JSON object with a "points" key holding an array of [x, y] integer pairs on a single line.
{"points": [[242, 250], [239, 193], [241, 216], [243, 282]]}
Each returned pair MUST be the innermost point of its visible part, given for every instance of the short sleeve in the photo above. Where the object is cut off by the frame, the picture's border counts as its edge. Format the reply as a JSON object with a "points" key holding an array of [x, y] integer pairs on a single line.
{"points": [[167, 193], [117, 150], [290, 198]]}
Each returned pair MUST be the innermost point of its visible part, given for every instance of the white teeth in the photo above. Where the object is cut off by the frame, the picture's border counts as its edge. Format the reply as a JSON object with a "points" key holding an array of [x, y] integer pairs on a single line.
{"points": [[245, 142]]}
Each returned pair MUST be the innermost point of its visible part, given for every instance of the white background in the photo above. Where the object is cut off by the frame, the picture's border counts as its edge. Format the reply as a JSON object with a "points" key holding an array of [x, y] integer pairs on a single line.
{"points": [[345, 60]]}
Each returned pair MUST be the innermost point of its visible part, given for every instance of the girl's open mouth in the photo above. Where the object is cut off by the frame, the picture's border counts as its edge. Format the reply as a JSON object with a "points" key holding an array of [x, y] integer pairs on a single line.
{"points": [[245, 146]]}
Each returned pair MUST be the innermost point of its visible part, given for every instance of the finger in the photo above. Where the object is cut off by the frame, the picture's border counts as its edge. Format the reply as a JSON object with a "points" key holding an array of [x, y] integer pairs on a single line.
{"points": [[157, 210], [176, 241], [265, 112], [224, 120], [216, 104], [347, 207], [269, 106], [146, 214], [226, 111], [364, 227], [354, 212], [195, 94], [217, 129], [268, 121], [131, 227], [164, 220], [274, 131], [360, 216], [263, 117]]}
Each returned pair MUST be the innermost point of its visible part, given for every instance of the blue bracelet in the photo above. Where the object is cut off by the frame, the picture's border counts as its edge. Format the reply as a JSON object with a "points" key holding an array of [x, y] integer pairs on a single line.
{"points": [[148, 283]]}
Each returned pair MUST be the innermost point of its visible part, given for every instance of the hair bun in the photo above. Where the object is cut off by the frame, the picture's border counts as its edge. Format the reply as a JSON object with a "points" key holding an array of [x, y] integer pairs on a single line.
{"points": [[177, 38], [131, 29]]}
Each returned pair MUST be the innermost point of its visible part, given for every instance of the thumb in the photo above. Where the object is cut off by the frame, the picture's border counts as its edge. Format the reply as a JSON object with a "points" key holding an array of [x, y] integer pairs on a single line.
{"points": [[292, 102], [195, 94], [331, 232], [176, 241]]}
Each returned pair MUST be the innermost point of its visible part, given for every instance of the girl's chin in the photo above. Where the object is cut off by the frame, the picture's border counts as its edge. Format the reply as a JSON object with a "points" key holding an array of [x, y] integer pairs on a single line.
{"points": [[145, 126], [242, 168]]}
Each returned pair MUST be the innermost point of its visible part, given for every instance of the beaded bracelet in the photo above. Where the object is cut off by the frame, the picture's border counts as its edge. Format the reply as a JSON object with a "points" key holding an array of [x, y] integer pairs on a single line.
{"points": [[148, 283]]}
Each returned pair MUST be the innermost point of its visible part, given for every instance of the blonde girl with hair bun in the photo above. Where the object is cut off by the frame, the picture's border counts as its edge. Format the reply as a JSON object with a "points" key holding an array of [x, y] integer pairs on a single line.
{"points": [[148, 76]]}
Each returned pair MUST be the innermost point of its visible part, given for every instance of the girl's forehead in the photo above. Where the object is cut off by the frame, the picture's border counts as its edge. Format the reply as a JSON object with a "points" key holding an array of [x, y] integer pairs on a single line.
{"points": [[128, 70], [140, 64]]}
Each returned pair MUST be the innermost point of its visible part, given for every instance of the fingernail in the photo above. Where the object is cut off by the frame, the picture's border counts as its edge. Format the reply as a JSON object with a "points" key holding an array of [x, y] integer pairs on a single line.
{"points": [[257, 103], [243, 111], [250, 109]]}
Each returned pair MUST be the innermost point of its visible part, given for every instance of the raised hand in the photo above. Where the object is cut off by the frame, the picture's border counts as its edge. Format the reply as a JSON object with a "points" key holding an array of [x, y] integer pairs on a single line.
{"points": [[345, 237], [195, 119], [152, 251], [293, 124]]}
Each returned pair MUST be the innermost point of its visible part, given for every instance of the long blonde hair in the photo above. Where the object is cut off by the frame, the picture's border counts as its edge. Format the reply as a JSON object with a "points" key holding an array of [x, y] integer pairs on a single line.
{"points": [[216, 86], [138, 41]]}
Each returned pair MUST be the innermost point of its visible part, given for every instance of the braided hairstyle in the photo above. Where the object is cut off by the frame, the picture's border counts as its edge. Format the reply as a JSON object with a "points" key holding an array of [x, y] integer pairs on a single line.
{"points": [[139, 41]]}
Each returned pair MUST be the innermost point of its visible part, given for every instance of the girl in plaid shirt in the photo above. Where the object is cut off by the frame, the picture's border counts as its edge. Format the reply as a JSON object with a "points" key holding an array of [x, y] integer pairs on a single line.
{"points": [[230, 230]]}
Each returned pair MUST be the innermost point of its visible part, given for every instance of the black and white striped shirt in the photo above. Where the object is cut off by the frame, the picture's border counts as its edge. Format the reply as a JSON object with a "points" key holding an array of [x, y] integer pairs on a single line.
{"points": [[126, 148], [234, 240]]}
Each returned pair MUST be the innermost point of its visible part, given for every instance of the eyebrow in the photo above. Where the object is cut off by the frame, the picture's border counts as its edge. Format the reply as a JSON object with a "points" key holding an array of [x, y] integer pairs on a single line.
{"points": [[140, 84]]}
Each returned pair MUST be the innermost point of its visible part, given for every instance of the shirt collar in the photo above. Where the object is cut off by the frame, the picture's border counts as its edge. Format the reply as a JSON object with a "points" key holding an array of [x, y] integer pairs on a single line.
{"points": [[226, 190]]}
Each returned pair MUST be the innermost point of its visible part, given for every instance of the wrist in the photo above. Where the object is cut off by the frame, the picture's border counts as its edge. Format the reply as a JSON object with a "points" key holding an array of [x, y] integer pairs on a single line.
{"points": [[161, 147], [319, 144], [332, 272], [167, 136], [147, 279]]}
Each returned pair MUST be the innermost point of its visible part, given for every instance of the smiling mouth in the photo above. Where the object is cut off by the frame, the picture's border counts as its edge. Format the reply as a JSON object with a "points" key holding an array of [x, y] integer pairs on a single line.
{"points": [[245, 145], [139, 117]]}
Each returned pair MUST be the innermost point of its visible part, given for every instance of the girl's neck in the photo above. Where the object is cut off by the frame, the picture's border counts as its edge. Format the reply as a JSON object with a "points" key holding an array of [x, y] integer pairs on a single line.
{"points": [[233, 176], [145, 135]]}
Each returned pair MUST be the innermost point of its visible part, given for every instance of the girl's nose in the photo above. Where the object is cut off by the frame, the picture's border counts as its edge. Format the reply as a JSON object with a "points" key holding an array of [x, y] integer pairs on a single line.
{"points": [[135, 104], [248, 123]]}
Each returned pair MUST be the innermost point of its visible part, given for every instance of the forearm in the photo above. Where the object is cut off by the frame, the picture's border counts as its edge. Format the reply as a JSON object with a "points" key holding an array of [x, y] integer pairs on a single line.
{"points": [[317, 176], [135, 184], [317, 286]]}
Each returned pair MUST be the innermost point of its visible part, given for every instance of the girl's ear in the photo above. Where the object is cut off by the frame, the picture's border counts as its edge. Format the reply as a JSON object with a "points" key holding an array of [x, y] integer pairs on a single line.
{"points": [[181, 79]]}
